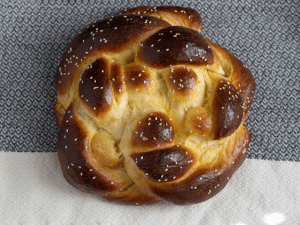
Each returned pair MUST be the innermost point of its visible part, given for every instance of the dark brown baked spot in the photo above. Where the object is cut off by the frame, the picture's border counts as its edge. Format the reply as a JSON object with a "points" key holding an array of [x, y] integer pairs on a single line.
{"points": [[164, 164], [245, 85], [175, 45], [227, 107], [182, 80], [209, 180], [154, 130], [136, 76], [95, 89], [112, 34]]}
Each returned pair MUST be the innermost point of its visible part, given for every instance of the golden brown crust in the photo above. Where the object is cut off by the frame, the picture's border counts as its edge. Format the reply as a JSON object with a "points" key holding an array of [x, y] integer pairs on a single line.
{"points": [[110, 35], [136, 76], [117, 78], [80, 169], [199, 120], [150, 110], [75, 157], [239, 74], [207, 181], [176, 16], [132, 195], [59, 113]]}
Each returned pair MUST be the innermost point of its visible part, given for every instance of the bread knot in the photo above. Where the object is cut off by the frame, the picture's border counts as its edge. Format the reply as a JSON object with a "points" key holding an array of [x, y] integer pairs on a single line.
{"points": [[148, 109]]}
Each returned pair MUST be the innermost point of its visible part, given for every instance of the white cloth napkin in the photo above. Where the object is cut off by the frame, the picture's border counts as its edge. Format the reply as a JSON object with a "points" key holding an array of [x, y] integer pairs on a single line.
{"points": [[33, 191]]}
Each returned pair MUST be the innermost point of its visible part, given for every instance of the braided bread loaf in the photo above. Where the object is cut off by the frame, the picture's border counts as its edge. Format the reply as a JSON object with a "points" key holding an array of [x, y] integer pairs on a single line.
{"points": [[150, 110]]}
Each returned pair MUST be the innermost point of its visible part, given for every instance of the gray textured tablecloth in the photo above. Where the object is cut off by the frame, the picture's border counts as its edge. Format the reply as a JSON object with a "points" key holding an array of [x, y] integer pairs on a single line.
{"points": [[263, 34]]}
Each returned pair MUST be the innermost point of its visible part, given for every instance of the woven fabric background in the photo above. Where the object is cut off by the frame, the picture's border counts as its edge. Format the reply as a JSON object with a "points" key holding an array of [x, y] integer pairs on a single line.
{"points": [[263, 34]]}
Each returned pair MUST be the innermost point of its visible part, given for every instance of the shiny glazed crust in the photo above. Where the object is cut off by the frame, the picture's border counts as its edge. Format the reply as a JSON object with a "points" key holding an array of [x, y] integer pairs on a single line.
{"points": [[149, 110]]}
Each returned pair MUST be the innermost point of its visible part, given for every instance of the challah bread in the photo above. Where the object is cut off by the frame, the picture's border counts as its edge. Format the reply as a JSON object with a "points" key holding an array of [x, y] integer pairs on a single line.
{"points": [[150, 110]]}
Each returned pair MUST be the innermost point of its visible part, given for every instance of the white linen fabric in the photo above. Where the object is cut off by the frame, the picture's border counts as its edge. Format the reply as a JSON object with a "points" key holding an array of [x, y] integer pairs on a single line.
{"points": [[33, 191]]}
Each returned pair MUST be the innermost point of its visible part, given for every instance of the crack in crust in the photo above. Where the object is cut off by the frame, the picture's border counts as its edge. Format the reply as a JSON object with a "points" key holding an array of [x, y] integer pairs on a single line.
{"points": [[150, 110]]}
